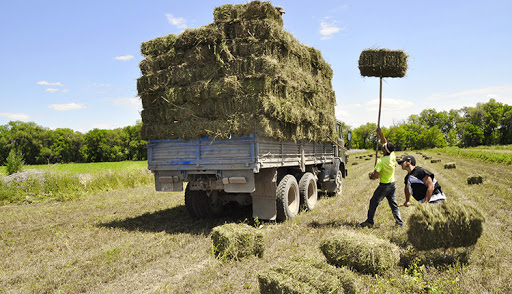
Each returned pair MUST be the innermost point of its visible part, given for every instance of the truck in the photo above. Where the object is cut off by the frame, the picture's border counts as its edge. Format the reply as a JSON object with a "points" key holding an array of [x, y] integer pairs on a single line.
{"points": [[278, 178]]}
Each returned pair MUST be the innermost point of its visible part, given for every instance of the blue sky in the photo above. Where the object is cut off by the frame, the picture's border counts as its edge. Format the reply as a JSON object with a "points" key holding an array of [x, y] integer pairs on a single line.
{"points": [[74, 64]]}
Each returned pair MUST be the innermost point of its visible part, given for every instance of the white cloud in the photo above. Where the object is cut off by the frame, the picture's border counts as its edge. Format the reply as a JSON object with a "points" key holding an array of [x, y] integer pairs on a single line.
{"points": [[45, 83], [15, 116], [327, 29], [178, 22], [133, 102], [66, 107], [51, 90], [65, 91], [124, 57]]}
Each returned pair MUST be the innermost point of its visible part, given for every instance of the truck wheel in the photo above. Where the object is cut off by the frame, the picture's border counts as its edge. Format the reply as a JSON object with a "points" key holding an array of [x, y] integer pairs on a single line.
{"points": [[190, 201], [308, 191], [208, 205], [339, 184], [288, 200]]}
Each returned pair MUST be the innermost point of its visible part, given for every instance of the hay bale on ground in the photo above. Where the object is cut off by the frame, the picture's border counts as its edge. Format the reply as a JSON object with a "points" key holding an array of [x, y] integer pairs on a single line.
{"points": [[383, 63], [355, 163], [475, 180], [446, 225], [236, 241], [449, 165], [435, 160], [302, 275], [364, 253]]}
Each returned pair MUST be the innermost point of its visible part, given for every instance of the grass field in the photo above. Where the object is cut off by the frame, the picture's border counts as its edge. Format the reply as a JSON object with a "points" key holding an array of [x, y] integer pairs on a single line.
{"points": [[135, 240]]}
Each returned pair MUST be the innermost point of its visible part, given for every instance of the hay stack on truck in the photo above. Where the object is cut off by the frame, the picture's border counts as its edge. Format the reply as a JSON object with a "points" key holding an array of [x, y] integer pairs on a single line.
{"points": [[243, 112]]}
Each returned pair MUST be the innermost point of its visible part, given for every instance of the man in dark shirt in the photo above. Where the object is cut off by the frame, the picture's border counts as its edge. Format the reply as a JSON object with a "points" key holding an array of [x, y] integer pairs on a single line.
{"points": [[420, 183]]}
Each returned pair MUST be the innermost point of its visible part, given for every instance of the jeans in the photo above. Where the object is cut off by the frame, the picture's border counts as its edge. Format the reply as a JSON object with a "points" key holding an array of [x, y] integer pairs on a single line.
{"points": [[384, 191]]}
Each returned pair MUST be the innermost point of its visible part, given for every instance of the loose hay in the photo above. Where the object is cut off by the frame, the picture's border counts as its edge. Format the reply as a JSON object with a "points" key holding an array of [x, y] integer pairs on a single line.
{"points": [[446, 225], [450, 165], [236, 241], [302, 275], [239, 75], [364, 253], [383, 63]]}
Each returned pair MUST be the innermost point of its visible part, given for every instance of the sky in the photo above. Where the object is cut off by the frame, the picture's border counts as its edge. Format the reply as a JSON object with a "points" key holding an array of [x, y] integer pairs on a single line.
{"points": [[74, 64]]}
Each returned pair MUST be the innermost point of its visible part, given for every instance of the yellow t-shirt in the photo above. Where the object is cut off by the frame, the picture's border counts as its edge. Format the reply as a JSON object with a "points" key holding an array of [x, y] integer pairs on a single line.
{"points": [[386, 167]]}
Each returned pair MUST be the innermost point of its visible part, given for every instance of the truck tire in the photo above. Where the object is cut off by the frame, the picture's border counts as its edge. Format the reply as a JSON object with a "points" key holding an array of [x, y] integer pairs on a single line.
{"points": [[190, 202], [288, 200], [339, 184], [200, 205], [308, 191], [208, 205]]}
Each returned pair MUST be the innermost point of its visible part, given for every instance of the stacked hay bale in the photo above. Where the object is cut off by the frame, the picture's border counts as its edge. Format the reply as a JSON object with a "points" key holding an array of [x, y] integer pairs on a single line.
{"points": [[364, 253], [302, 275], [447, 225], [236, 241], [239, 75]]}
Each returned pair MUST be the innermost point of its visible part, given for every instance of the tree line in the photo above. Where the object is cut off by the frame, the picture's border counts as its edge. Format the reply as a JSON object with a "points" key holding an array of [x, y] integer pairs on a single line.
{"points": [[40, 145], [486, 124]]}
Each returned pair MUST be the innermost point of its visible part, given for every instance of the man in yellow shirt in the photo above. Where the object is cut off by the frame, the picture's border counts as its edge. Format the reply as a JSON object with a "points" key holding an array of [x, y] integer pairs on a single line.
{"points": [[385, 170]]}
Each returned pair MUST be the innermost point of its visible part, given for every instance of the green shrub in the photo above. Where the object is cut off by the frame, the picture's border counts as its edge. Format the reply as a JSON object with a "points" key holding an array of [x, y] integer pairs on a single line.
{"points": [[14, 162]]}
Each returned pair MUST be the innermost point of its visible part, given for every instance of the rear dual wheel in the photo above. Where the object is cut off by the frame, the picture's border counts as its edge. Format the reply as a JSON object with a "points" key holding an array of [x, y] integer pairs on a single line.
{"points": [[288, 200], [308, 191], [203, 204]]}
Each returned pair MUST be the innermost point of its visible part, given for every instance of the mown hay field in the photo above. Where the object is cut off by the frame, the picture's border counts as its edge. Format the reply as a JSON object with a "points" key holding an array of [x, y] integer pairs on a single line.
{"points": [[136, 240]]}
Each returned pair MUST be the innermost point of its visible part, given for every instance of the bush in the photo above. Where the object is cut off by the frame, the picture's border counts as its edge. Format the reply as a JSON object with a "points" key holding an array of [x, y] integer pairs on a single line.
{"points": [[14, 162], [364, 253]]}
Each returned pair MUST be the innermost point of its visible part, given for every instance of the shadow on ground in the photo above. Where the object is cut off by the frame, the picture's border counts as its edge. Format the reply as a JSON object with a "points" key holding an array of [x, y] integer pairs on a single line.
{"points": [[177, 220]]}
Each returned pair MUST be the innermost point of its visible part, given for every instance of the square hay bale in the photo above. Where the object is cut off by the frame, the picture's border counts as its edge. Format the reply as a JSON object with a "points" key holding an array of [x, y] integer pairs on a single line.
{"points": [[449, 165], [355, 163], [304, 275], [365, 253], [446, 225], [236, 241], [383, 63], [475, 180], [435, 160]]}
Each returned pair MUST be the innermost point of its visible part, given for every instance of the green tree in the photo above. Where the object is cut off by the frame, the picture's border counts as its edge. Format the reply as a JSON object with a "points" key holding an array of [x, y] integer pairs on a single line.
{"points": [[14, 162]]}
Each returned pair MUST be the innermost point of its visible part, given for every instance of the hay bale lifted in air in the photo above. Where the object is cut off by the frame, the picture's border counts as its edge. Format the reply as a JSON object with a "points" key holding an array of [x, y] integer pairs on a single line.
{"points": [[301, 275], [383, 63], [475, 180], [241, 74], [364, 253], [236, 241], [446, 225], [449, 165]]}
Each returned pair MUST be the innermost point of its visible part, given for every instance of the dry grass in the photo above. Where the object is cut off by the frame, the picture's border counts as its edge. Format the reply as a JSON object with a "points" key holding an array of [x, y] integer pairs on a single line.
{"points": [[140, 241]]}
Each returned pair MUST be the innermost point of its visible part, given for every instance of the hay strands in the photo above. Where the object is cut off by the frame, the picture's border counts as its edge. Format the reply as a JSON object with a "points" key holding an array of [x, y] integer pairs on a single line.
{"points": [[382, 63]]}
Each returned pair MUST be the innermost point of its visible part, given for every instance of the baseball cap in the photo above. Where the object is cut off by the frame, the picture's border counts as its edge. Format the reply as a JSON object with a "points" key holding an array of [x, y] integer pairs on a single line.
{"points": [[407, 158], [280, 9]]}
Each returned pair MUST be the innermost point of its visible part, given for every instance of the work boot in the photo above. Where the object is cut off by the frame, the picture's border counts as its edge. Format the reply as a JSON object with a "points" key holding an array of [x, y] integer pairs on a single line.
{"points": [[366, 224]]}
